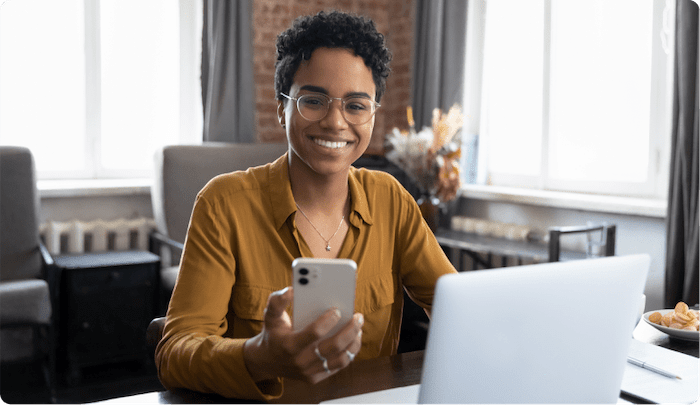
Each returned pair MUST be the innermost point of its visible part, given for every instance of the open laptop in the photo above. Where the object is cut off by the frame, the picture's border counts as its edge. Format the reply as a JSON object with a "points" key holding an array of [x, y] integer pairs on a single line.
{"points": [[546, 333]]}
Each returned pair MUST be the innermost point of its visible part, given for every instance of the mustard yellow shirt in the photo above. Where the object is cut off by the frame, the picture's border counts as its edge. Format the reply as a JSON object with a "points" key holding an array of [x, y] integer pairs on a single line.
{"points": [[239, 248]]}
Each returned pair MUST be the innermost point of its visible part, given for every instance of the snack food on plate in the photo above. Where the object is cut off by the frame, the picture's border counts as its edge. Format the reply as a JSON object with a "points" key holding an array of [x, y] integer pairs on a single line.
{"points": [[682, 317]]}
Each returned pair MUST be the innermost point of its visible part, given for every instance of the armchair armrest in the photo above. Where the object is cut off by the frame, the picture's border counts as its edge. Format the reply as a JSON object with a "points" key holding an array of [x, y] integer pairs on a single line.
{"points": [[168, 249], [46, 258], [156, 240], [154, 333], [48, 271]]}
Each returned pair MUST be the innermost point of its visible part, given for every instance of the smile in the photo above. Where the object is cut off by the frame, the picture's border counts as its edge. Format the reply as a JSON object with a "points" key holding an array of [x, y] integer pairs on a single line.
{"points": [[331, 145]]}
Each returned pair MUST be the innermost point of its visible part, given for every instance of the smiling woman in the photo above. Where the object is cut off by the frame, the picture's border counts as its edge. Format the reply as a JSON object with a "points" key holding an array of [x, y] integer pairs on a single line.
{"points": [[228, 327]]}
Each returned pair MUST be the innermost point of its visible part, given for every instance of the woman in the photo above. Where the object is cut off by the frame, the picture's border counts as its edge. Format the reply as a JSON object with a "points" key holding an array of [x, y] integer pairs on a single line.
{"points": [[228, 330]]}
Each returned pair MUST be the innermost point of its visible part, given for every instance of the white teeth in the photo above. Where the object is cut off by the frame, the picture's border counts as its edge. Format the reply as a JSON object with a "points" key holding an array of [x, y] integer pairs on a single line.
{"points": [[331, 145]]}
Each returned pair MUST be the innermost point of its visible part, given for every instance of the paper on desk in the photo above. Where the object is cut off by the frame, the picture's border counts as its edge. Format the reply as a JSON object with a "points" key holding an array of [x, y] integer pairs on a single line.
{"points": [[654, 387], [400, 395]]}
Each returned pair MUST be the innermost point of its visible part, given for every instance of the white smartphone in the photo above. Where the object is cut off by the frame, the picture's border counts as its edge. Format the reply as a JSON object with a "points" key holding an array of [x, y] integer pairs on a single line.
{"points": [[321, 284]]}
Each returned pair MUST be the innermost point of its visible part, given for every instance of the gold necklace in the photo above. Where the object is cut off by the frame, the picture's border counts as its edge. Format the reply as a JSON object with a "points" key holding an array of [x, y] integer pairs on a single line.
{"points": [[328, 241]]}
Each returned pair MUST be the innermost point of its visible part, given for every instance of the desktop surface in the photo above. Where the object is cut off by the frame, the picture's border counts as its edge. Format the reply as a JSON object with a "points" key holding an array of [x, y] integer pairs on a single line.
{"points": [[371, 375]]}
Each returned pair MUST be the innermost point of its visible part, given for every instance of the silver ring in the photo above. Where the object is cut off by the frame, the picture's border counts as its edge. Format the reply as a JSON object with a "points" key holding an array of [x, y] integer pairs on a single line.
{"points": [[323, 359], [351, 356]]}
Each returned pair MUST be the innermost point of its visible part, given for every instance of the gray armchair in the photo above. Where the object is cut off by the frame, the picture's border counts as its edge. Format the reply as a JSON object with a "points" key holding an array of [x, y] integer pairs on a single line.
{"points": [[26, 332], [181, 172]]}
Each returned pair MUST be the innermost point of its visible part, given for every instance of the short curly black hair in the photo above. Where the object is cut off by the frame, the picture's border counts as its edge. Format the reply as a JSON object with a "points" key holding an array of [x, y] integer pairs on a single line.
{"points": [[333, 29]]}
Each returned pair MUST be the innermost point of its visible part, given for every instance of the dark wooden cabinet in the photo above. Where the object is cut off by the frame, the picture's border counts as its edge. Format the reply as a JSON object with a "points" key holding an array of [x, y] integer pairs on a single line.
{"points": [[104, 303]]}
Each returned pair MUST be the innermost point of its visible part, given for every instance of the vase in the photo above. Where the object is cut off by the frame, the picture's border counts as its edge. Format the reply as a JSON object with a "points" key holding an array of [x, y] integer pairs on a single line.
{"points": [[430, 208]]}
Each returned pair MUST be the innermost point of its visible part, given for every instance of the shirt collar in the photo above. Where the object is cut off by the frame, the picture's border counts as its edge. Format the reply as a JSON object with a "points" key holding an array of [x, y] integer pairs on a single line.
{"points": [[282, 199], [359, 198]]}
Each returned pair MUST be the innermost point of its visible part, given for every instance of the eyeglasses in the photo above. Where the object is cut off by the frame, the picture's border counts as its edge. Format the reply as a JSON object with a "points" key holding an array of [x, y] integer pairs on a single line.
{"points": [[314, 107]]}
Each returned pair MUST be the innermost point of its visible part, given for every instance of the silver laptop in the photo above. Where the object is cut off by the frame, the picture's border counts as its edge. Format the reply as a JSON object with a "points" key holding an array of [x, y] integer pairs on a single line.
{"points": [[545, 333]]}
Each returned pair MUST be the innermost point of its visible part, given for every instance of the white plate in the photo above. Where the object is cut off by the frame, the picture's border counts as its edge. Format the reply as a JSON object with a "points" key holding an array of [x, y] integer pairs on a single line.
{"points": [[678, 333]]}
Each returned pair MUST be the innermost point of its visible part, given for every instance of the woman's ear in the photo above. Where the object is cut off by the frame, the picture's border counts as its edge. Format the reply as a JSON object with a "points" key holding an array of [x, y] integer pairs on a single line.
{"points": [[280, 113]]}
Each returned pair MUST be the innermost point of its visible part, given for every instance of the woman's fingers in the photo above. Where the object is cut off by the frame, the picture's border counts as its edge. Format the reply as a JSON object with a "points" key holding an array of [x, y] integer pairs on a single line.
{"points": [[304, 354], [315, 331], [342, 348], [323, 358], [277, 304]]}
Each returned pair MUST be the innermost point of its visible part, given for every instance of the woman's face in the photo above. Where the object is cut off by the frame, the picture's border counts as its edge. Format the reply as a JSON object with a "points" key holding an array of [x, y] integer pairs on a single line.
{"points": [[332, 144]]}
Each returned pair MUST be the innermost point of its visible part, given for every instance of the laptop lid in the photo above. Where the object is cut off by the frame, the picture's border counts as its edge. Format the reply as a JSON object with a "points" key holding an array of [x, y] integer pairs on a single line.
{"points": [[545, 333]]}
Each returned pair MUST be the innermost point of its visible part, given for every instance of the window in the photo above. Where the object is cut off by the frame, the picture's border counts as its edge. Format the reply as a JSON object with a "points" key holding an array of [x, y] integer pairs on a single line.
{"points": [[574, 94], [95, 87]]}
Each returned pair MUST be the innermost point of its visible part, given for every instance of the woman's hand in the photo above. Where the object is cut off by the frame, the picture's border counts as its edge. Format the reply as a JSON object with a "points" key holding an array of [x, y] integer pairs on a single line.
{"points": [[279, 351]]}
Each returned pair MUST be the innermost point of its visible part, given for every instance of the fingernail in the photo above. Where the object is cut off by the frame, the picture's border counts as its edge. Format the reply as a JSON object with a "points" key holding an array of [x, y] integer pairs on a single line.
{"points": [[360, 320], [337, 313]]}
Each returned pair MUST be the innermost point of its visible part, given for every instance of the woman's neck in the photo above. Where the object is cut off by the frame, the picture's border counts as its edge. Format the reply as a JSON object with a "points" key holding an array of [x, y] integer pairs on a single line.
{"points": [[317, 192], [321, 196]]}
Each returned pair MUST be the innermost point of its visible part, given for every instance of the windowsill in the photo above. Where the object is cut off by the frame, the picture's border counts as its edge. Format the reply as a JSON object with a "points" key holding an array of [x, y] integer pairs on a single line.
{"points": [[647, 207], [587, 202], [93, 187]]}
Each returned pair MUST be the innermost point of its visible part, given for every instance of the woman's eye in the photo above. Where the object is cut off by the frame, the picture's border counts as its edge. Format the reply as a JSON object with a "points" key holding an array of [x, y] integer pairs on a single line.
{"points": [[356, 105], [313, 102]]}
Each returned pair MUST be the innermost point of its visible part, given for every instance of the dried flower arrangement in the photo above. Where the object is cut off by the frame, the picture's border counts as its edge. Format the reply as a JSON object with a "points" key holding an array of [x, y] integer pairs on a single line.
{"points": [[430, 157]]}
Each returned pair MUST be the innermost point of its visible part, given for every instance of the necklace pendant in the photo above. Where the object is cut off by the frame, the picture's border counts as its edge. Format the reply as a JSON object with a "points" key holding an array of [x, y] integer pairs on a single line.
{"points": [[328, 248]]}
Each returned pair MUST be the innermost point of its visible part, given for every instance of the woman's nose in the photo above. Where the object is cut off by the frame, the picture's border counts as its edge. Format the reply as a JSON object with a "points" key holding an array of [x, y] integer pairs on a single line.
{"points": [[334, 117]]}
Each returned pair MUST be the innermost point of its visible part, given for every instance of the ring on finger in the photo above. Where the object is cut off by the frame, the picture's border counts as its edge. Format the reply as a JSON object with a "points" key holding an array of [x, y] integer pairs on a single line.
{"points": [[351, 356], [323, 360]]}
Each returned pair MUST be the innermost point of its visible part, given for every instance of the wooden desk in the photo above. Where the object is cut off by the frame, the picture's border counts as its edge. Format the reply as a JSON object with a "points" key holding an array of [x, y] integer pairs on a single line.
{"points": [[360, 377], [477, 245], [368, 376]]}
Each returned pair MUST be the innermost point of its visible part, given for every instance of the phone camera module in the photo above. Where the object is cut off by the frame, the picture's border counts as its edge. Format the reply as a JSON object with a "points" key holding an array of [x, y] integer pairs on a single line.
{"points": [[303, 271], [303, 281]]}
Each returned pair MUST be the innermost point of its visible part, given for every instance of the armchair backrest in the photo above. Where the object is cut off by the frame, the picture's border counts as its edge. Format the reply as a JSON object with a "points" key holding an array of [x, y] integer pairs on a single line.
{"points": [[183, 170], [20, 257]]}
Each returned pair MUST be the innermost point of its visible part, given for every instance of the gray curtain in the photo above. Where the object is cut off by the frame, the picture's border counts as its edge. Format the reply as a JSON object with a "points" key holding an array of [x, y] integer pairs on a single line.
{"points": [[682, 221], [228, 93], [438, 73]]}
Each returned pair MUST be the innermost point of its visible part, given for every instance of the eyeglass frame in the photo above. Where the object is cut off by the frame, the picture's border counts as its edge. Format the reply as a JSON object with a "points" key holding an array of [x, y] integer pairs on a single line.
{"points": [[330, 99]]}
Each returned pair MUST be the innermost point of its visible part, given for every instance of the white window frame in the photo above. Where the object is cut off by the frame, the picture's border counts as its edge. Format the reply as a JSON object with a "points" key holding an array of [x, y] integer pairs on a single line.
{"points": [[190, 106], [190, 89], [656, 185]]}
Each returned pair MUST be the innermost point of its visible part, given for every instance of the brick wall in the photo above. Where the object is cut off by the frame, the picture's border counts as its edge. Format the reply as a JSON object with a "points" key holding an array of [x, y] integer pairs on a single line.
{"points": [[393, 18]]}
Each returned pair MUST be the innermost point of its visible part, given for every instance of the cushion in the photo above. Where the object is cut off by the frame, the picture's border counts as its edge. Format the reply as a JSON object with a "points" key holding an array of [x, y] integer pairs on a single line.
{"points": [[24, 302]]}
